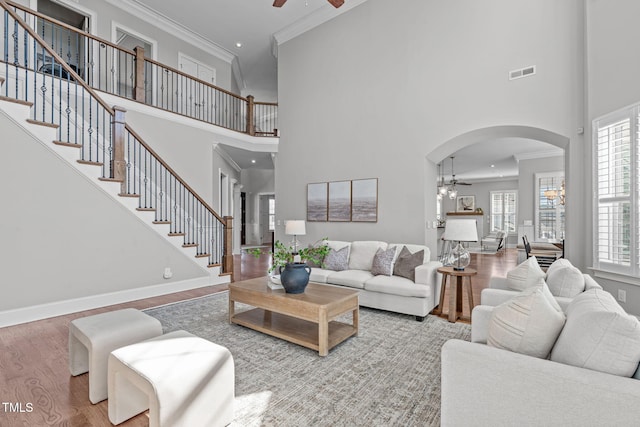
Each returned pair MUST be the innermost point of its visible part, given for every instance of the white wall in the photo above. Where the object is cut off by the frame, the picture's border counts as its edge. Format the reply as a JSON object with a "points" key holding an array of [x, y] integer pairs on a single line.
{"points": [[64, 239], [376, 90], [612, 39]]}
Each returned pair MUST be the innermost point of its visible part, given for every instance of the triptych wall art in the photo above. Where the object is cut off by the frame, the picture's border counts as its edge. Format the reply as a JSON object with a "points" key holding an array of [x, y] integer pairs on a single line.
{"points": [[343, 201]]}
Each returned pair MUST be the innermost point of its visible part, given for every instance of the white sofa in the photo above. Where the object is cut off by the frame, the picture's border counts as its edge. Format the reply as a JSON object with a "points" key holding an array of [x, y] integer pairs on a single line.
{"points": [[500, 289], [392, 293], [489, 386]]}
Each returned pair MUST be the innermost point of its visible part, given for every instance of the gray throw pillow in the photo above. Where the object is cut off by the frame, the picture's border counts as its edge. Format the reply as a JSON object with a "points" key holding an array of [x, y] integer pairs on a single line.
{"points": [[337, 260], [383, 262], [407, 262]]}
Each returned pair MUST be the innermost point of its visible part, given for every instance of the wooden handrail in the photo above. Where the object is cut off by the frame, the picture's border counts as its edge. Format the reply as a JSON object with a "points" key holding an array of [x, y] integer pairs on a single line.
{"points": [[174, 70], [68, 27], [139, 94], [57, 57], [174, 173]]}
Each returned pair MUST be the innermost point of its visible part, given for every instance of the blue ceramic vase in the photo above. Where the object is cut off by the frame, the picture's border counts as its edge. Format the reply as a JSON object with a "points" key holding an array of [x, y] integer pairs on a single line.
{"points": [[295, 277]]}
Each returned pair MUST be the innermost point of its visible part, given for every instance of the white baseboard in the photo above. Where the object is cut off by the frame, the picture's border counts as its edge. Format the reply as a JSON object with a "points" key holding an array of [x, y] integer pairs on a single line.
{"points": [[59, 308]]}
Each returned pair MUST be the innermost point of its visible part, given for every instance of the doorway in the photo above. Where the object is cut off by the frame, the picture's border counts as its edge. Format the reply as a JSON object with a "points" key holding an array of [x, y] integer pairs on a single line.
{"points": [[67, 43], [267, 212], [130, 39]]}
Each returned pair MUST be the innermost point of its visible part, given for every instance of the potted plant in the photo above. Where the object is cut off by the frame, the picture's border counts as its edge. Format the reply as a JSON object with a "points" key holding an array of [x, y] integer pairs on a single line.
{"points": [[295, 275]]}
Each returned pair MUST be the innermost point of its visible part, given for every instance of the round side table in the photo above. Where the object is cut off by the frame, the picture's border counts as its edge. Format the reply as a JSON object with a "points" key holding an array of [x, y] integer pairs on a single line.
{"points": [[455, 295]]}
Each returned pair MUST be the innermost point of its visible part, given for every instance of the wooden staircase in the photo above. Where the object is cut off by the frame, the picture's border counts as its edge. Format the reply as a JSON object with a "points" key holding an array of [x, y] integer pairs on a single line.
{"points": [[46, 133]]}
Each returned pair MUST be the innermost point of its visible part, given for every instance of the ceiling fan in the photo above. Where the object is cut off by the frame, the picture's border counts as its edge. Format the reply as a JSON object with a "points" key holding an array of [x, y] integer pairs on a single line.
{"points": [[335, 3], [453, 180]]}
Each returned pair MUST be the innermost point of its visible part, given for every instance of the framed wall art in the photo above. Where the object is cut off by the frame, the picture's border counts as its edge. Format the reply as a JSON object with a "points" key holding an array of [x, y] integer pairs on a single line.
{"points": [[364, 200], [340, 201], [466, 204], [317, 201]]}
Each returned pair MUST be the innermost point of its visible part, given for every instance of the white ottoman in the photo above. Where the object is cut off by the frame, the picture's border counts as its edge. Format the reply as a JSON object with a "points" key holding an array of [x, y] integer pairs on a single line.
{"points": [[92, 338], [182, 379]]}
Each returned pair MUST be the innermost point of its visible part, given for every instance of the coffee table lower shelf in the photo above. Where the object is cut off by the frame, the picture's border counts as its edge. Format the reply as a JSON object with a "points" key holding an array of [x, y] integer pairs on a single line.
{"points": [[294, 330]]}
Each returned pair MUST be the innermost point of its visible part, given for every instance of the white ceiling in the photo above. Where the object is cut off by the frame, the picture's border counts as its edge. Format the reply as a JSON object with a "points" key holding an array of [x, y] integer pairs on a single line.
{"points": [[475, 161]]}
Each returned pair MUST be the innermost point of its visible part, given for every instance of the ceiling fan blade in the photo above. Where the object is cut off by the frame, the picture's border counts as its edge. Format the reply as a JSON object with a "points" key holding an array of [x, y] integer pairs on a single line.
{"points": [[336, 3], [279, 3]]}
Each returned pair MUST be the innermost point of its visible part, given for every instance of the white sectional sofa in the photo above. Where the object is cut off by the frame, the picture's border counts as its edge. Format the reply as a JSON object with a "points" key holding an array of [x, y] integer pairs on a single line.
{"points": [[564, 280], [383, 291], [586, 380]]}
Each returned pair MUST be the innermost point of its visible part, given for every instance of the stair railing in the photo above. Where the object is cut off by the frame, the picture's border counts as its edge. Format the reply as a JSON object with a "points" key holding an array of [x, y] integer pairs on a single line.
{"points": [[110, 68], [35, 74]]}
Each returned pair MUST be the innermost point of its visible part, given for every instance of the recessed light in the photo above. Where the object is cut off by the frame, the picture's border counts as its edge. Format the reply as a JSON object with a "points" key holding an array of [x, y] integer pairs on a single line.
{"points": [[253, 160], [238, 44], [493, 166]]}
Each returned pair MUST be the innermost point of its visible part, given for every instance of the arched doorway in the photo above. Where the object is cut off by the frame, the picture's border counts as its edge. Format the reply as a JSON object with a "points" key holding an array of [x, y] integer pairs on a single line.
{"points": [[496, 133]]}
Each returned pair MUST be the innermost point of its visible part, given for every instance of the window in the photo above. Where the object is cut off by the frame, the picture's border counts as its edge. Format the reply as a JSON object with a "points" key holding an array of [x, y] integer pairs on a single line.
{"points": [[272, 214], [503, 211], [549, 219], [616, 144]]}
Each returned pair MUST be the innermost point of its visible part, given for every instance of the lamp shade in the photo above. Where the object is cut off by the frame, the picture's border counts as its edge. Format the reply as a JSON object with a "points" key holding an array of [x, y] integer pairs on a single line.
{"points": [[461, 230], [295, 228]]}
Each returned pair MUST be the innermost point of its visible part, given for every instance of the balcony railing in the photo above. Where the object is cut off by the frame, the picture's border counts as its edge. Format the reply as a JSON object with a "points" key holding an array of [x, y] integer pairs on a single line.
{"points": [[127, 73]]}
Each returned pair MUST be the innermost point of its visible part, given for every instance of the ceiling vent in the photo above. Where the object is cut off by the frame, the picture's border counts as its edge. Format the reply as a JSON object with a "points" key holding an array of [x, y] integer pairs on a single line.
{"points": [[522, 72]]}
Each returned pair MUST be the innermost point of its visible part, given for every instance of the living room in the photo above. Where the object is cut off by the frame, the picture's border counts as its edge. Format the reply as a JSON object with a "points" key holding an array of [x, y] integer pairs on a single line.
{"points": [[387, 91]]}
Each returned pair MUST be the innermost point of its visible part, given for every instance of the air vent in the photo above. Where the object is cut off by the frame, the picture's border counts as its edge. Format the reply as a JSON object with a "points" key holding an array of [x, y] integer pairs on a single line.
{"points": [[522, 72]]}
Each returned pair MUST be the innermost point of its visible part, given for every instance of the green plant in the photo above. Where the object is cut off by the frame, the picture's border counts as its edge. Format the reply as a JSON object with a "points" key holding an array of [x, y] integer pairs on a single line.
{"points": [[282, 255]]}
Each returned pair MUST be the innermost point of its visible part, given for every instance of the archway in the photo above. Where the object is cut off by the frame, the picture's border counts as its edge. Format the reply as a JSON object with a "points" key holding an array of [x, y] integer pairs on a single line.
{"points": [[481, 135]]}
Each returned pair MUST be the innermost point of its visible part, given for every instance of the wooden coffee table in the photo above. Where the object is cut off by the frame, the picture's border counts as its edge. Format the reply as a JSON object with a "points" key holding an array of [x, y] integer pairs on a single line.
{"points": [[305, 319]]}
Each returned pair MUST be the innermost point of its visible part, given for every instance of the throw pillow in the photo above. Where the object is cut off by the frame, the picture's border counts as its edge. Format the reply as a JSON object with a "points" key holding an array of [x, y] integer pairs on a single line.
{"points": [[383, 262], [525, 275], [407, 262], [528, 324], [565, 280], [599, 335], [337, 260]]}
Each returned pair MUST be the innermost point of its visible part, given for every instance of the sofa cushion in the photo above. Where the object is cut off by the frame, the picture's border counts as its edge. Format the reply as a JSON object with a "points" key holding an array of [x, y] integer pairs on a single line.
{"points": [[564, 279], [397, 285], [350, 278], [525, 275], [406, 263], [599, 335], [383, 261], [362, 253], [319, 275], [528, 324], [337, 260]]}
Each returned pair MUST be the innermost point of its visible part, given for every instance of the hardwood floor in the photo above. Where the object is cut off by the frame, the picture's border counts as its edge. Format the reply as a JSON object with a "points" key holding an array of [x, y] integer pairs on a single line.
{"points": [[36, 388]]}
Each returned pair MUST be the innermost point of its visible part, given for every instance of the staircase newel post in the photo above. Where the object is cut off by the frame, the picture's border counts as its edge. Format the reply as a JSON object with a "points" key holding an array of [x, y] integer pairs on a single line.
{"points": [[227, 257], [251, 128], [138, 91], [118, 164]]}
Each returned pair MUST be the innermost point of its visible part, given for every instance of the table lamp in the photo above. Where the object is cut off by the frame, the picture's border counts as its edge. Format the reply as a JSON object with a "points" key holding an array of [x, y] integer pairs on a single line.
{"points": [[460, 230], [295, 228]]}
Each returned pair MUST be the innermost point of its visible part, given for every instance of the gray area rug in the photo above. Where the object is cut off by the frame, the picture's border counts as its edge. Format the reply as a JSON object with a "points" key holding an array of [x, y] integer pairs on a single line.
{"points": [[388, 375]]}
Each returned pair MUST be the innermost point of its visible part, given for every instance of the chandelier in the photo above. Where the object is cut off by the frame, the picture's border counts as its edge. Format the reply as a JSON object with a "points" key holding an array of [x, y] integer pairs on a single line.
{"points": [[444, 189], [552, 194]]}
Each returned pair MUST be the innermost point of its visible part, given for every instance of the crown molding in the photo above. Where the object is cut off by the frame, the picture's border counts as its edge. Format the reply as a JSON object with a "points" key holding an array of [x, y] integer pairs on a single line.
{"points": [[320, 16], [221, 151], [539, 154], [159, 20]]}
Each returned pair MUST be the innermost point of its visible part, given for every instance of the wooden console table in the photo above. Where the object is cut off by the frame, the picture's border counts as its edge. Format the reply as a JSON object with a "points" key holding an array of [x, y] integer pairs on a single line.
{"points": [[455, 295]]}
